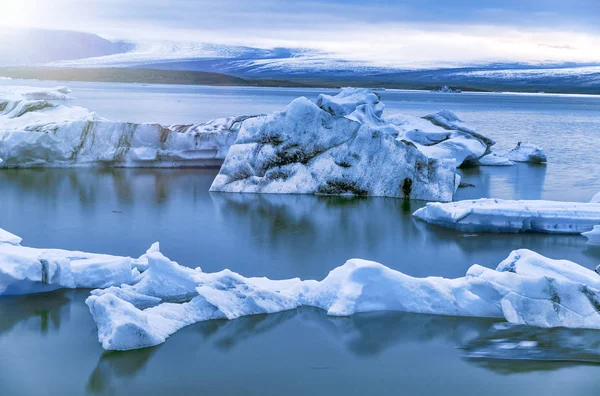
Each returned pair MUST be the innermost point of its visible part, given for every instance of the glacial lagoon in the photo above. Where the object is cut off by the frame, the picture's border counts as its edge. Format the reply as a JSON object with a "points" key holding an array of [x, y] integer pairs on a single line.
{"points": [[123, 211]]}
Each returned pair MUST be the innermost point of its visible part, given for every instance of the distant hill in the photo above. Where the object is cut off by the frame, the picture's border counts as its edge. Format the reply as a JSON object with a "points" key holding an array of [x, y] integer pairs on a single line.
{"points": [[130, 75], [20, 46]]}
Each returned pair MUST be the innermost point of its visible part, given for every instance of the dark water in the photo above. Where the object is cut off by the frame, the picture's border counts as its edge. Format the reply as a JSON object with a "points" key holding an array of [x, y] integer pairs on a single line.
{"points": [[48, 343]]}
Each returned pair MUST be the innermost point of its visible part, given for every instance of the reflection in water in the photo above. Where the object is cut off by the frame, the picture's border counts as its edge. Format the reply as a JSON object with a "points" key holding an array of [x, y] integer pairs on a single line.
{"points": [[114, 365], [46, 311], [516, 342], [487, 343]]}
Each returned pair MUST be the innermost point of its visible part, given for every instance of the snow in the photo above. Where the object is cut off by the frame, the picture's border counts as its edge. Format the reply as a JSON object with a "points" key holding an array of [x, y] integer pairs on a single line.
{"points": [[496, 215], [526, 288], [593, 236], [525, 152], [124, 324], [348, 100], [25, 270], [38, 133], [442, 135], [492, 160]]}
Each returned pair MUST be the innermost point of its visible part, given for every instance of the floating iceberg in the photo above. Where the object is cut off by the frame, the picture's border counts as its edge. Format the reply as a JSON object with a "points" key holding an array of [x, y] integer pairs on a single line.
{"points": [[492, 160], [496, 215], [36, 133], [593, 236], [595, 198], [18, 93], [525, 152], [25, 270], [306, 150], [127, 318], [344, 145], [526, 288]]}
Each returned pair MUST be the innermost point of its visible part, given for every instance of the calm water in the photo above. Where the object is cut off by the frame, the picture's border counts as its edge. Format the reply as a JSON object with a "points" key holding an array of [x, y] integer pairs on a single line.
{"points": [[49, 345]]}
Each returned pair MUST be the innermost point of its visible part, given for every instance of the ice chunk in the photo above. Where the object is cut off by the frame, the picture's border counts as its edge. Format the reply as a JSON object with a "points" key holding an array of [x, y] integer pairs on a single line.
{"points": [[496, 215], [492, 160], [442, 135], [346, 102], [593, 236], [122, 324], [25, 270], [17, 93], [306, 150], [36, 133], [526, 288], [7, 237], [525, 152]]}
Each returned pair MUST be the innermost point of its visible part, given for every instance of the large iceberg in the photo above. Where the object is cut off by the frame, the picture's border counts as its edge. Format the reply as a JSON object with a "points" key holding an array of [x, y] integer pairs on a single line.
{"points": [[526, 288], [344, 145], [35, 132], [25, 270], [497, 215]]}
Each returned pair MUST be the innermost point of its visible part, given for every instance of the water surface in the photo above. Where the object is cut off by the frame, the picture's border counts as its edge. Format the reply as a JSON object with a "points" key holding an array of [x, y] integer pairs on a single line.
{"points": [[49, 342]]}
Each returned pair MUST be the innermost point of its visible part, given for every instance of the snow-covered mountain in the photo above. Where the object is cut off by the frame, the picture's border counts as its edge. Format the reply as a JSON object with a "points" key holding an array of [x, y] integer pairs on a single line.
{"points": [[81, 50]]}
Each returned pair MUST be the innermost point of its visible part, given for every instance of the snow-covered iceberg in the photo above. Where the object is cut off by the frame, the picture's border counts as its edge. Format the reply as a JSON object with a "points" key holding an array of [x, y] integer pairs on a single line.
{"points": [[497, 215], [37, 133], [525, 152], [25, 270], [307, 150], [18, 93], [344, 145], [169, 297], [593, 236], [526, 288]]}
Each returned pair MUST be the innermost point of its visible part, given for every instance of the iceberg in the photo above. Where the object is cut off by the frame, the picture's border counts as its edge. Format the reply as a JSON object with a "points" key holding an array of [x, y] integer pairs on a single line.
{"points": [[306, 150], [525, 152], [25, 270], [343, 144], [595, 198], [39, 133], [17, 93], [497, 215], [492, 160], [126, 320], [593, 236], [526, 288]]}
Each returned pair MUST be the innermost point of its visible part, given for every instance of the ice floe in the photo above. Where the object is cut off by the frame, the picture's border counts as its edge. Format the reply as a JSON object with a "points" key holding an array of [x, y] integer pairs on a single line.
{"points": [[526, 288], [525, 152], [497, 215], [25, 270], [17, 93], [39, 133], [593, 236]]}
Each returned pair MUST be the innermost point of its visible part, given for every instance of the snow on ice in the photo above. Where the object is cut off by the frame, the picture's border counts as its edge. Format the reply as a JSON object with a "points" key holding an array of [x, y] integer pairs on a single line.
{"points": [[526, 288], [497, 215], [25, 270]]}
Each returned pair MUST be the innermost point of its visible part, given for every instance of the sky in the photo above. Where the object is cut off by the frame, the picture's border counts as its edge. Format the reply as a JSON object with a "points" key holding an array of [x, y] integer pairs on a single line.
{"points": [[383, 32]]}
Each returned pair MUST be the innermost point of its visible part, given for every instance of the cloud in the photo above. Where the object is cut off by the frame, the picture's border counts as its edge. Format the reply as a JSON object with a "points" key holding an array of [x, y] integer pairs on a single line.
{"points": [[385, 31]]}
